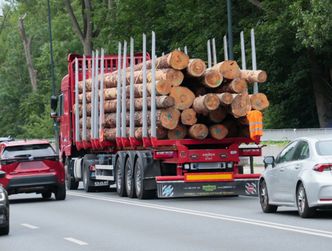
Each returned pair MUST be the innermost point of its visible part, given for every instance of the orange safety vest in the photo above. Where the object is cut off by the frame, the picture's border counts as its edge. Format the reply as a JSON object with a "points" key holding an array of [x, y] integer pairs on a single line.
{"points": [[255, 119]]}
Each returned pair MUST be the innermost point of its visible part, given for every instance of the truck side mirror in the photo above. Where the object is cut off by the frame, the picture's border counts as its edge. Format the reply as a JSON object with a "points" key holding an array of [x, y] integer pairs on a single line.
{"points": [[54, 102], [269, 160]]}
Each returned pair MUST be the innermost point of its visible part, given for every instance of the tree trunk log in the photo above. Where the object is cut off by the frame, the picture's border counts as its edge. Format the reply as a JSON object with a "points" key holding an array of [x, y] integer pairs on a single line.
{"points": [[188, 117], [225, 98], [229, 69], [183, 97], [178, 132], [110, 133], [254, 76], [212, 78], [237, 85], [206, 103], [218, 131], [218, 115], [259, 101], [198, 131], [240, 105], [196, 67]]}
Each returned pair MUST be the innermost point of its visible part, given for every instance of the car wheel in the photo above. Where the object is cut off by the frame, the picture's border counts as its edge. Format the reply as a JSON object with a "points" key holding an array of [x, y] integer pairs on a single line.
{"points": [[119, 177], [4, 230], [60, 193], [129, 178], [141, 193], [264, 199], [302, 203], [46, 195]]}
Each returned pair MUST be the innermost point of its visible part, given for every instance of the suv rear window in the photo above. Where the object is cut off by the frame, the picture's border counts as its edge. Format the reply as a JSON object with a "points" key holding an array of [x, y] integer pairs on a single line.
{"points": [[38, 150], [324, 147]]}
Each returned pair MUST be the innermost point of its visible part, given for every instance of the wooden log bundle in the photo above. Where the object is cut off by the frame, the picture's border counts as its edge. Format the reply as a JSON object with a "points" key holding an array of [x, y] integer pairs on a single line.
{"points": [[191, 100]]}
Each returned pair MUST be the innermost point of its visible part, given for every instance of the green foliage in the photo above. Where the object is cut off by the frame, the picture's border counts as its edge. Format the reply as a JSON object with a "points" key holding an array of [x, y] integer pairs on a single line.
{"points": [[289, 34]]}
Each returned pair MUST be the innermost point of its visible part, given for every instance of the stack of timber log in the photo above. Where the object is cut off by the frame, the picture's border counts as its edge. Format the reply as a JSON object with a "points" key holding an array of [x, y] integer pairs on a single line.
{"points": [[192, 101]]}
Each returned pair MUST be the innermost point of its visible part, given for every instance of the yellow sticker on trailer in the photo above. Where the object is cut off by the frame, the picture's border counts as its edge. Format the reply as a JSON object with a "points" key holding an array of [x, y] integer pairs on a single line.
{"points": [[209, 177]]}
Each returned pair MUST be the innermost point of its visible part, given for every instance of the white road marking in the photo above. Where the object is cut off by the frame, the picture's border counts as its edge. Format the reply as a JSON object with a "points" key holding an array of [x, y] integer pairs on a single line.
{"points": [[76, 241], [29, 226], [285, 227]]}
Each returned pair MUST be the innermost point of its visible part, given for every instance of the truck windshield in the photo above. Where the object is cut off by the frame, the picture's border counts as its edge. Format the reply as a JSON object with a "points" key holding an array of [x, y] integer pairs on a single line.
{"points": [[38, 150], [324, 147]]}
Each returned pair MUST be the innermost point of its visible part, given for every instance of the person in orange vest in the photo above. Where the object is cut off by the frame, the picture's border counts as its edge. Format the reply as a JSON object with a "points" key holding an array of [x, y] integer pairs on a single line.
{"points": [[255, 119]]}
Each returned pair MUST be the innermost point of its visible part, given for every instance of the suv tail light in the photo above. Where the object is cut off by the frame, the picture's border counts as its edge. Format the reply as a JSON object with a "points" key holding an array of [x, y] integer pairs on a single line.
{"points": [[323, 167]]}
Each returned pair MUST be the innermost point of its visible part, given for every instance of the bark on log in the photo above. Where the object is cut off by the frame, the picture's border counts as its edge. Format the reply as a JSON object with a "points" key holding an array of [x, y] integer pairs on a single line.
{"points": [[225, 98], [196, 67], [178, 132], [218, 115], [237, 85], [183, 97], [110, 105], [188, 117], [198, 131], [259, 101], [254, 76], [177, 60], [206, 103], [212, 78], [229, 69], [218, 131], [240, 105], [110, 133]]}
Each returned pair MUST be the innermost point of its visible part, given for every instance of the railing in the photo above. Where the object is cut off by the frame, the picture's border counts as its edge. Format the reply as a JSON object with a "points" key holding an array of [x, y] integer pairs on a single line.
{"points": [[291, 134]]}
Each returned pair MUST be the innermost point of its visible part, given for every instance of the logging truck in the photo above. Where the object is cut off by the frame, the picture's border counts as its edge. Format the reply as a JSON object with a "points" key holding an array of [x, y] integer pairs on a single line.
{"points": [[166, 127]]}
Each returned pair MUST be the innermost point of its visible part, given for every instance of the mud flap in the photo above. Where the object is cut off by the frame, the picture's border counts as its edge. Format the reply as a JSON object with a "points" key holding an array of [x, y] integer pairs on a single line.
{"points": [[247, 187]]}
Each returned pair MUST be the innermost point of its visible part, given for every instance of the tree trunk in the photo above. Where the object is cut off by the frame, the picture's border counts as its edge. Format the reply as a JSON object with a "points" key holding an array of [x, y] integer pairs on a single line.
{"points": [[254, 76], [237, 85], [179, 132], [259, 101], [27, 51], [110, 133], [188, 117], [196, 67], [218, 115], [218, 131], [183, 97], [225, 98], [229, 69], [212, 78], [206, 103], [240, 105], [198, 131]]}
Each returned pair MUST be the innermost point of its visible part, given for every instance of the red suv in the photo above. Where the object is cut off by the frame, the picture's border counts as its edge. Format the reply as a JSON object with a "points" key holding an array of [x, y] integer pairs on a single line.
{"points": [[32, 167]]}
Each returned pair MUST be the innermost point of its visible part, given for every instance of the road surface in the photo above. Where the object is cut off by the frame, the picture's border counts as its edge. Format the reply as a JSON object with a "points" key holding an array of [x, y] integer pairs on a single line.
{"points": [[104, 221]]}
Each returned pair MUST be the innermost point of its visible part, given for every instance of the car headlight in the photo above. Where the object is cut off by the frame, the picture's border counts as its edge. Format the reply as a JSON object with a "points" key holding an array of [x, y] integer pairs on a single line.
{"points": [[2, 196]]}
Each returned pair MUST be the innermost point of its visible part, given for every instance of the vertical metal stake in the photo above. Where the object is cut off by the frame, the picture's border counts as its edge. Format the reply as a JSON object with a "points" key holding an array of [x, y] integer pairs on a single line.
{"points": [[214, 52], [225, 48], [123, 112], [253, 56], [153, 91], [118, 97], [84, 101], [132, 106], [243, 52], [77, 115], [145, 106], [209, 53], [92, 94], [101, 94]]}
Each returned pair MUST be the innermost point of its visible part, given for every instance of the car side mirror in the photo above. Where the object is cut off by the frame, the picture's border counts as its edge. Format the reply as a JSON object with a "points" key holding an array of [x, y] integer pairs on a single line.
{"points": [[269, 160], [2, 174], [54, 102]]}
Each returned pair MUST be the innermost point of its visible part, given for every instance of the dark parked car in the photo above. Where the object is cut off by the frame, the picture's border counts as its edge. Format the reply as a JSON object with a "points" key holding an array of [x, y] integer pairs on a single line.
{"points": [[4, 209], [32, 167]]}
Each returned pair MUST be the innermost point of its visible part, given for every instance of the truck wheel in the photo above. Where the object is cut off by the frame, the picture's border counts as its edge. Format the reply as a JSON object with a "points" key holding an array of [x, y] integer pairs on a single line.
{"points": [[60, 193], [129, 177], [46, 195], [264, 199], [119, 176], [86, 178], [71, 183], [141, 193]]}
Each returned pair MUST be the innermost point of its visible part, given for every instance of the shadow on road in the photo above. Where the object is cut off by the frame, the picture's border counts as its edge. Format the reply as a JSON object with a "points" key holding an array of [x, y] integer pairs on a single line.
{"points": [[320, 214]]}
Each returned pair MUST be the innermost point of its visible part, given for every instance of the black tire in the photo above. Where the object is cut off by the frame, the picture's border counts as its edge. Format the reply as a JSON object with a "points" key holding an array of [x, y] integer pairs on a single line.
{"points": [[141, 192], [4, 230], [60, 192], [129, 177], [264, 199], [302, 203], [46, 195], [86, 177], [71, 183], [120, 176]]}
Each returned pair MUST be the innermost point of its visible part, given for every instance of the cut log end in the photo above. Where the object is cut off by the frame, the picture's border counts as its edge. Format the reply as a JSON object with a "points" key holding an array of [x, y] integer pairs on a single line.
{"points": [[212, 78], [198, 131], [188, 117], [254, 76], [169, 118], [225, 98], [229, 69], [196, 67], [259, 101], [178, 60], [218, 115], [211, 101], [218, 131], [183, 97], [178, 132], [240, 105]]}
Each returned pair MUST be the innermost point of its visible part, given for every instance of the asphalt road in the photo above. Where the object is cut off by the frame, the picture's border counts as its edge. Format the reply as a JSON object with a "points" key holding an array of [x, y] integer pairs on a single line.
{"points": [[104, 221]]}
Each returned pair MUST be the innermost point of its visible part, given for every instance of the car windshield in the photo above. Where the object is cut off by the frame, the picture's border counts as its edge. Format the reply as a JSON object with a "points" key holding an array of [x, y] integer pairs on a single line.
{"points": [[324, 147], [37, 150]]}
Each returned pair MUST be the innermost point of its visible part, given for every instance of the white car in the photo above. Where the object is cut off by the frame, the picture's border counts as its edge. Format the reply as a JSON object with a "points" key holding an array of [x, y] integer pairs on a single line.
{"points": [[300, 176]]}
